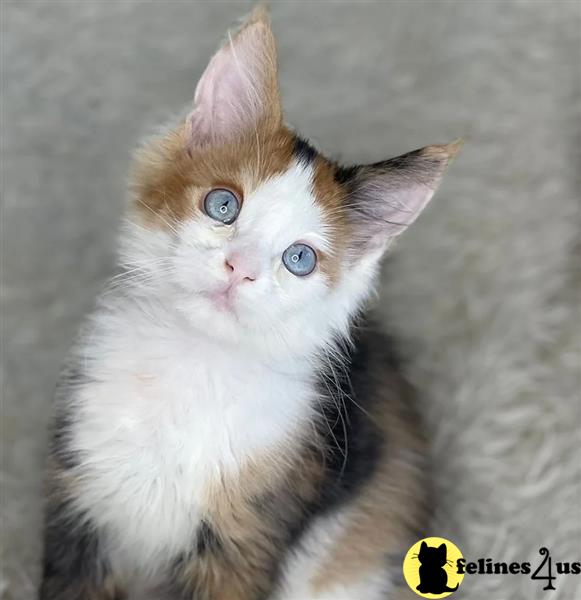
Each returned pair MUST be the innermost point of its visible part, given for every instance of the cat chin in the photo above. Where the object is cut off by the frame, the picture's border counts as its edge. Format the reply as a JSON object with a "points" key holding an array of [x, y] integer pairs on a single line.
{"points": [[221, 319], [222, 302], [205, 312], [248, 323], [244, 331]]}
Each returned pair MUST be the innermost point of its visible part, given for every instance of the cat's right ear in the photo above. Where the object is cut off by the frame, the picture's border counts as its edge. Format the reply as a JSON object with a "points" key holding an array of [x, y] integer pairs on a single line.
{"points": [[238, 92], [424, 546]]}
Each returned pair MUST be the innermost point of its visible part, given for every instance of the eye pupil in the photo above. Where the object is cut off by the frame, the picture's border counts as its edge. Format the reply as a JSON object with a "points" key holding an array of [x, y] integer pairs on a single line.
{"points": [[299, 259], [224, 209]]}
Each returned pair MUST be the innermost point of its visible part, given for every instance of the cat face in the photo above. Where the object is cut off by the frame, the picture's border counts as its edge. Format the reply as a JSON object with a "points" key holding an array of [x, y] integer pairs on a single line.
{"points": [[249, 232]]}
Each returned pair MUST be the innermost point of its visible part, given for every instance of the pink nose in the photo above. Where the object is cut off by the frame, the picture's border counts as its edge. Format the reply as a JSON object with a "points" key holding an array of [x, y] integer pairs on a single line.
{"points": [[241, 267]]}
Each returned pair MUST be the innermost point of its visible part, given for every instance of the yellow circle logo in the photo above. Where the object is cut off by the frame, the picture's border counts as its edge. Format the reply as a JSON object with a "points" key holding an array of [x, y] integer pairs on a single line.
{"points": [[430, 568]]}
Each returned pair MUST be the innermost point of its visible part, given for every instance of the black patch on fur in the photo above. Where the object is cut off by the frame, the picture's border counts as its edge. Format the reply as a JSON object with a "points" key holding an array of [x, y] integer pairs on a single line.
{"points": [[345, 175], [74, 566], [207, 540], [71, 380], [417, 166], [72, 558], [354, 443], [402, 162], [71, 544], [303, 151], [64, 456]]}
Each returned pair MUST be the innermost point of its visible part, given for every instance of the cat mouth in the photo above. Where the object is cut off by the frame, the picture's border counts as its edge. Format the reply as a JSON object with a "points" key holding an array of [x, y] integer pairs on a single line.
{"points": [[223, 299]]}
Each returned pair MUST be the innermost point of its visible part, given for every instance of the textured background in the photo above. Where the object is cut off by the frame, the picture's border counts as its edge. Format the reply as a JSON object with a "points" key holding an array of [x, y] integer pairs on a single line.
{"points": [[482, 291]]}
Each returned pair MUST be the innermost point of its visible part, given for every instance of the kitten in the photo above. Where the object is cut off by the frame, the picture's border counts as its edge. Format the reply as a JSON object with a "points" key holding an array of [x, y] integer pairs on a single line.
{"points": [[224, 431]]}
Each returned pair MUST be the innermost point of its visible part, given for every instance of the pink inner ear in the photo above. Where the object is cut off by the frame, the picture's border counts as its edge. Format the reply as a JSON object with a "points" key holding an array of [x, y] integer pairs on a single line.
{"points": [[405, 206], [231, 95], [396, 209], [390, 195]]}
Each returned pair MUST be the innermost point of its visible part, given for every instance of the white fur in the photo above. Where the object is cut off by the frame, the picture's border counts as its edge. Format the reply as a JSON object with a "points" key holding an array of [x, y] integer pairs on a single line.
{"points": [[170, 410], [315, 551], [182, 390], [480, 285]]}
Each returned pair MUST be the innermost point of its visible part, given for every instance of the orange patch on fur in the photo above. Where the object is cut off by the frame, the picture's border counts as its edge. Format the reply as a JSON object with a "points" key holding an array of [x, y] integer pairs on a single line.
{"points": [[248, 515], [169, 182], [331, 197], [172, 173]]}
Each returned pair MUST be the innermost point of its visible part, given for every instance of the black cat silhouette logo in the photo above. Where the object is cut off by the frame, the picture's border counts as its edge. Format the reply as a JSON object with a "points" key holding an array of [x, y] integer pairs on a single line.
{"points": [[429, 568]]}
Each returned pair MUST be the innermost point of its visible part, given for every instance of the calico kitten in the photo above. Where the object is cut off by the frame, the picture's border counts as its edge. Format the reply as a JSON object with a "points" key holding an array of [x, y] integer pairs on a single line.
{"points": [[223, 430]]}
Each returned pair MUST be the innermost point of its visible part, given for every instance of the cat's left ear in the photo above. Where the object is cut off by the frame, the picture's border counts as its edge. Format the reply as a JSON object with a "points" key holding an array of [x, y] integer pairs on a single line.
{"points": [[385, 198], [238, 91]]}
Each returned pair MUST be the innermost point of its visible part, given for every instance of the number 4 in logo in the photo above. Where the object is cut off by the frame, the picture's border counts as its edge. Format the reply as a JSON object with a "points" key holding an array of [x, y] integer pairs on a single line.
{"points": [[549, 577]]}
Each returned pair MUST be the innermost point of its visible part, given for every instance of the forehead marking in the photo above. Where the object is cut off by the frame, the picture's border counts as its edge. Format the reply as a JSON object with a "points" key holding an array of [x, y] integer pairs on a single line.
{"points": [[303, 151]]}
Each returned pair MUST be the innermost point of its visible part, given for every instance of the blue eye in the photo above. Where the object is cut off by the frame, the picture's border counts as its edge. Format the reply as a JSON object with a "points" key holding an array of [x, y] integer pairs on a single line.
{"points": [[299, 259], [222, 205]]}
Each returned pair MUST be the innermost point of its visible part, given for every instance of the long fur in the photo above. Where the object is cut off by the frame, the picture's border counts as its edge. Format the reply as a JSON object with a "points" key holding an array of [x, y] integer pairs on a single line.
{"points": [[423, 286], [194, 453]]}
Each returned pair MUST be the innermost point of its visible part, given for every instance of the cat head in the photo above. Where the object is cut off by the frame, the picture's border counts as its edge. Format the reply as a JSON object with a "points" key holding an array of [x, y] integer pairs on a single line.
{"points": [[431, 555], [247, 230]]}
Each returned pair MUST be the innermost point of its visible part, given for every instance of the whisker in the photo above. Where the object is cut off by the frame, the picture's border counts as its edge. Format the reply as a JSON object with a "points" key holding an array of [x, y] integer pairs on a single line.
{"points": [[158, 215]]}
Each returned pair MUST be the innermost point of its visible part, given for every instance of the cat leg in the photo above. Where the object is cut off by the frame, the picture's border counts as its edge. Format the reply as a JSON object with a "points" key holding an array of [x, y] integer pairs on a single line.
{"points": [[74, 567], [348, 556], [357, 549], [227, 568]]}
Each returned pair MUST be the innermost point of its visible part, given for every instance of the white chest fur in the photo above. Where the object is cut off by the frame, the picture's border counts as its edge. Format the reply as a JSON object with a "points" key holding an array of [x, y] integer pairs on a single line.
{"points": [[164, 414]]}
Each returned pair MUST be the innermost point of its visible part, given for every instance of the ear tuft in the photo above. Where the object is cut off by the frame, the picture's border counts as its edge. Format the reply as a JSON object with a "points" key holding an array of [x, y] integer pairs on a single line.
{"points": [[444, 152], [385, 198], [238, 91], [259, 13]]}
